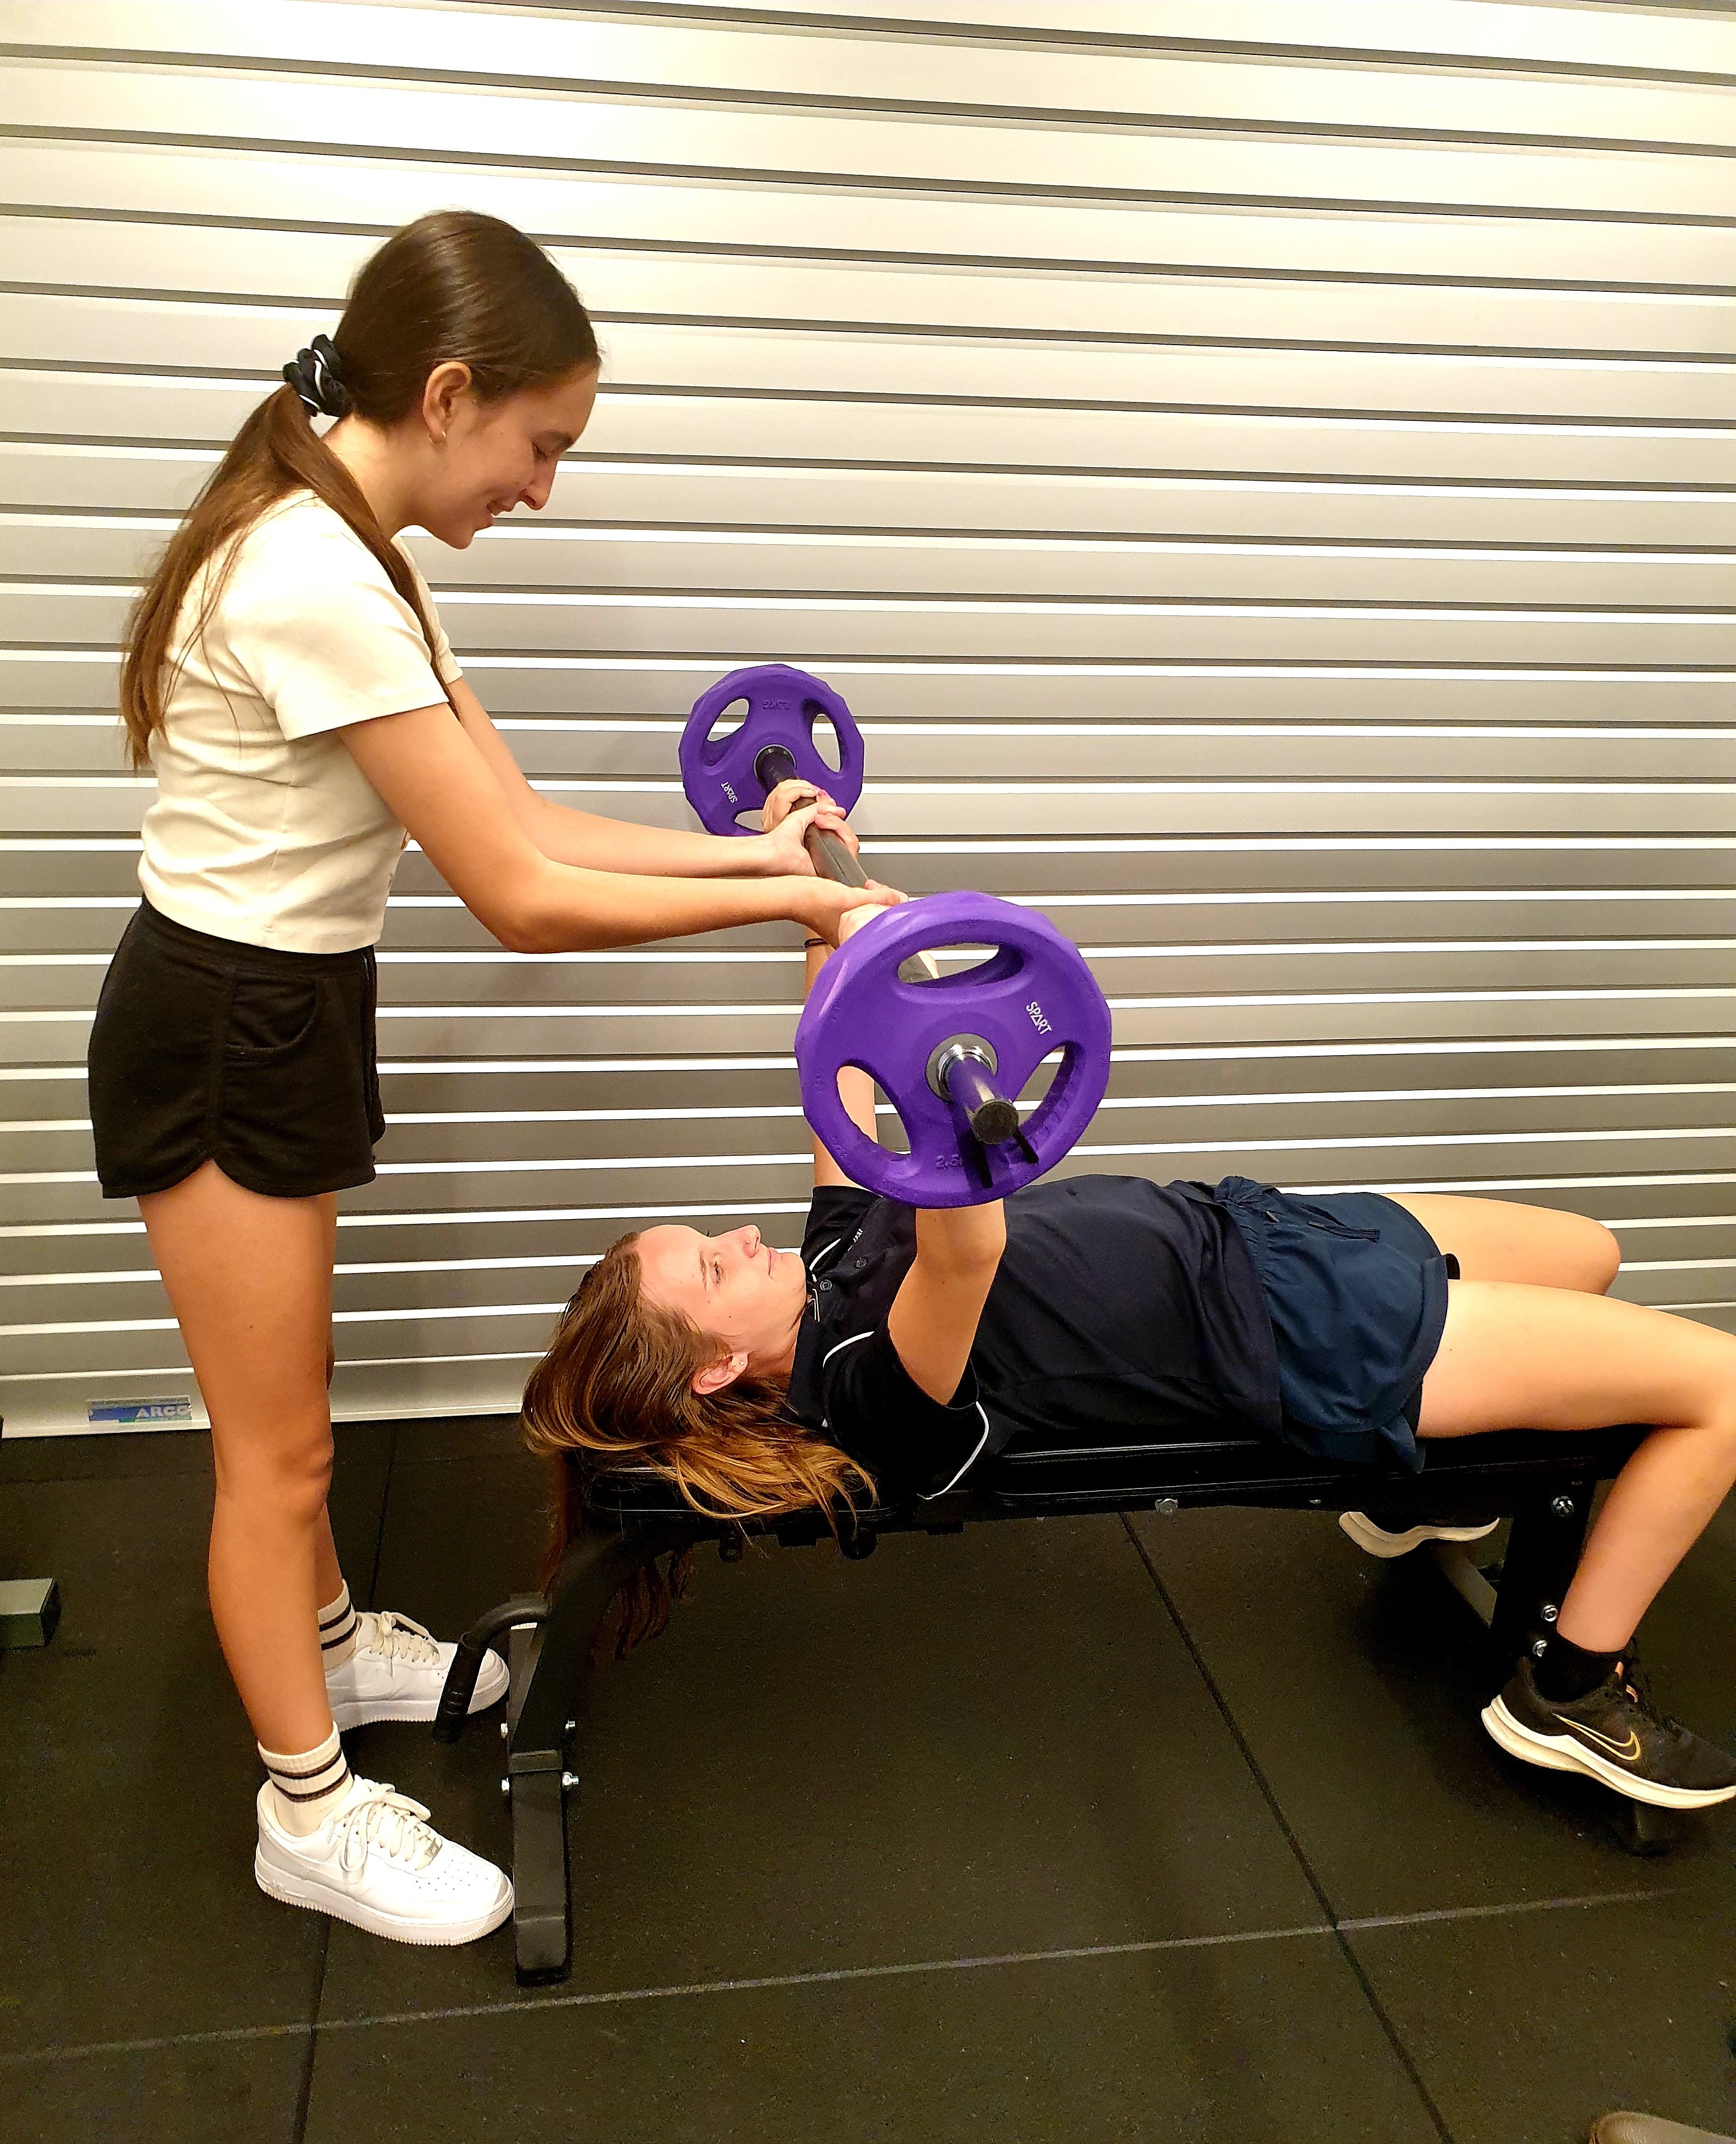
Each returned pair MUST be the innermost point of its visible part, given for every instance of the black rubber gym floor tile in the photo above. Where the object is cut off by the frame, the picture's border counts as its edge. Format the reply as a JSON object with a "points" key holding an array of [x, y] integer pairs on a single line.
{"points": [[229, 2092], [462, 1531], [127, 1773], [984, 1743], [461, 1437], [1358, 1686], [1527, 2027], [357, 1501], [1269, 2042]]}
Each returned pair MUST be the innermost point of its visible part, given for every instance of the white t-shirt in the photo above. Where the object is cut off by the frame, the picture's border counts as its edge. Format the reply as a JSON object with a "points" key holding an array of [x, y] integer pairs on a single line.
{"points": [[265, 830]]}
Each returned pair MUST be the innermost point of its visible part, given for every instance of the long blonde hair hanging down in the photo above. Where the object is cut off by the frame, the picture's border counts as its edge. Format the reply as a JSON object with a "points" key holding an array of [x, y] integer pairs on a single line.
{"points": [[616, 1389]]}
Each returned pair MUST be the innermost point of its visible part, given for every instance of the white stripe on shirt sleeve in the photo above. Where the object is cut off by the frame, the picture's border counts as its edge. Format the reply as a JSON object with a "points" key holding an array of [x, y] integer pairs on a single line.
{"points": [[967, 1464]]}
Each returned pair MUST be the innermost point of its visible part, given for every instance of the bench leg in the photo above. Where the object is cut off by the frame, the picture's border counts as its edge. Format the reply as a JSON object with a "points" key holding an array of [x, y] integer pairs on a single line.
{"points": [[1641, 1828], [536, 1779], [542, 1890], [1543, 1552]]}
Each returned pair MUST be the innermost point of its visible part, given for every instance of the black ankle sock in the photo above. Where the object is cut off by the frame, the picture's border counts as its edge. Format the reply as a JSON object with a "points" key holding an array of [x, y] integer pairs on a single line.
{"points": [[1567, 1671]]}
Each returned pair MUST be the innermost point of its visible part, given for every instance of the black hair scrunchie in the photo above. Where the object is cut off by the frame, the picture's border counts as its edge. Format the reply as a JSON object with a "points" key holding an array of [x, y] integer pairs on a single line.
{"points": [[316, 379]]}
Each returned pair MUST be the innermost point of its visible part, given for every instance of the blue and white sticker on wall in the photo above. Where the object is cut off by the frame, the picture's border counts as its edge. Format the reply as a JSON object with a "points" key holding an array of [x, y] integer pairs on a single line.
{"points": [[139, 1414]]}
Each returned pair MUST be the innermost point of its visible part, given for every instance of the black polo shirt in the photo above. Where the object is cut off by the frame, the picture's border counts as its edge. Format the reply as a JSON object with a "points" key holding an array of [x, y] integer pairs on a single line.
{"points": [[1120, 1307]]}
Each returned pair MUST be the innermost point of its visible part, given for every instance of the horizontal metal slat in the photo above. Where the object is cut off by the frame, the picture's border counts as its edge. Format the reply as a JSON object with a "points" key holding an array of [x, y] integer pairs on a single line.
{"points": [[515, 558], [1129, 867], [858, 68], [611, 1139], [389, 1387], [101, 1348], [97, 406], [1477, 1156], [47, 804], [650, 696], [1656, 1214], [581, 132], [92, 923], [757, 981], [128, 332], [60, 1036], [755, 218], [591, 497], [754, 626], [627, 1085], [636, 750], [1438, 32], [195, 261]]}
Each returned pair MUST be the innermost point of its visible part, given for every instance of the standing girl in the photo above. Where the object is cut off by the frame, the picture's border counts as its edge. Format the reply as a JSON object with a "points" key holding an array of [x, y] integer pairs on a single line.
{"points": [[288, 680]]}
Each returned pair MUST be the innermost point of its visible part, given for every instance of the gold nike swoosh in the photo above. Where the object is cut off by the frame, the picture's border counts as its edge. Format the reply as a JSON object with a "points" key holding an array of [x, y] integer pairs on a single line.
{"points": [[1628, 1749]]}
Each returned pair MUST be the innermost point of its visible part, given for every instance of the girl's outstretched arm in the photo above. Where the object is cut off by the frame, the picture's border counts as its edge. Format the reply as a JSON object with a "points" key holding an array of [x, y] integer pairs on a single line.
{"points": [[430, 772]]}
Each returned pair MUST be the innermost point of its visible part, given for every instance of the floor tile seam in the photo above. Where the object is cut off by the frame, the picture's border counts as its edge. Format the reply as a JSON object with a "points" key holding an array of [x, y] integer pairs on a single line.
{"points": [[603, 1998], [380, 1531], [1364, 1922], [304, 2083], [1388, 2027]]}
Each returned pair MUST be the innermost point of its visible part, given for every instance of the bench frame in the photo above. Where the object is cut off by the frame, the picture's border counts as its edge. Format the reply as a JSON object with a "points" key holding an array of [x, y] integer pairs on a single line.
{"points": [[1546, 1483]]}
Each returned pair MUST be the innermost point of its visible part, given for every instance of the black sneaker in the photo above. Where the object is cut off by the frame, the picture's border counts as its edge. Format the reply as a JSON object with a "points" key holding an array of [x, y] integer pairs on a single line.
{"points": [[1614, 1733]]}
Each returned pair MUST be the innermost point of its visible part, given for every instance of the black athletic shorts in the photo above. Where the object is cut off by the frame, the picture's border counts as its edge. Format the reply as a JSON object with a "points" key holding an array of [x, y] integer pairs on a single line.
{"points": [[1355, 1288], [261, 1060]]}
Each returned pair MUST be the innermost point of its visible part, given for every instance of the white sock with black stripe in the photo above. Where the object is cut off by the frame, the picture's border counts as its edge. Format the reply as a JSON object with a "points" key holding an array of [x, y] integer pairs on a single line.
{"points": [[337, 1630], [305, 1789]]}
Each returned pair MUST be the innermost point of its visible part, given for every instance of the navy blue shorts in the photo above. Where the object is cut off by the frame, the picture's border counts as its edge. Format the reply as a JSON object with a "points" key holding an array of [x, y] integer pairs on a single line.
{"points": [[1355, 1288]]}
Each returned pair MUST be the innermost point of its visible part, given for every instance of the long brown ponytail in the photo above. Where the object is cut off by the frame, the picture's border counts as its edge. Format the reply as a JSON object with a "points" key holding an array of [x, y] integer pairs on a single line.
{"points": [[616, 1389], [451, 287]]}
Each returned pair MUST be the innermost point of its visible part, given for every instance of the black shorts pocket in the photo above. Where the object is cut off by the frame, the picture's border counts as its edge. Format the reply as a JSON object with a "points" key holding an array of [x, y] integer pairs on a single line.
{"points": [[294, 1118], [272, 1016]]}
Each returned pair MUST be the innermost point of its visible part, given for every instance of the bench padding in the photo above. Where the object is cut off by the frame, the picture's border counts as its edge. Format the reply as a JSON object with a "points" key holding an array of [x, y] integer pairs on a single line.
{"points": [[1055, 1476]]}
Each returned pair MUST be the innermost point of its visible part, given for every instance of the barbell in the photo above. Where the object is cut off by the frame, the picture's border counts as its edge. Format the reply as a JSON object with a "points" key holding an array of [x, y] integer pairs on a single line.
{"points": [[952, 1049]]}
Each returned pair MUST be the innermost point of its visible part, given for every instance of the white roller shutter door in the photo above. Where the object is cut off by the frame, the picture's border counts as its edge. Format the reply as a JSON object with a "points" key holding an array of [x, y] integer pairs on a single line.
{"points": [[1268, 503]]}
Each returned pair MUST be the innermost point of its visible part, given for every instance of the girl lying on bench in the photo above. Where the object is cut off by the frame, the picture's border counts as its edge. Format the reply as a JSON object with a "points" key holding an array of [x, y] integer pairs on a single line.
{"points": [[900, 1347]]}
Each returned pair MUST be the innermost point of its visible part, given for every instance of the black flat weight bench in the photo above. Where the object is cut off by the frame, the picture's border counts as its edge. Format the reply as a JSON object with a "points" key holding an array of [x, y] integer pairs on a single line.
{"points": [[1543, 1482]]}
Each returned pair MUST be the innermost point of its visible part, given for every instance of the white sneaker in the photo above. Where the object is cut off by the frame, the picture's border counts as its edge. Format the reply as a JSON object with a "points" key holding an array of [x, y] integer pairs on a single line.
{"points": [[1367, 1535], [377, 1863], [398, 1671]]}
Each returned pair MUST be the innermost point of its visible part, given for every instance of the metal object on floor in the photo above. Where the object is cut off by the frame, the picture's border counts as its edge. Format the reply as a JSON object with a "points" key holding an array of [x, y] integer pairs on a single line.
{"points": [[29, 1610], [1624, 2128], [634, 1516]]}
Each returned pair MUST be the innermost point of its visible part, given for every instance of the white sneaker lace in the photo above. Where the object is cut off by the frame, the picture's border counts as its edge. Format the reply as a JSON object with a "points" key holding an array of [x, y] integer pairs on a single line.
{"points": [[396, 1637], [381, 1816]]}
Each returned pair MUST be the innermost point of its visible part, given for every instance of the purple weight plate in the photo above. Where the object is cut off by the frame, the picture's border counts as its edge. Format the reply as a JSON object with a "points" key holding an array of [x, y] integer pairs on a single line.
{"points": [[1034, 994], [783, 705]]}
